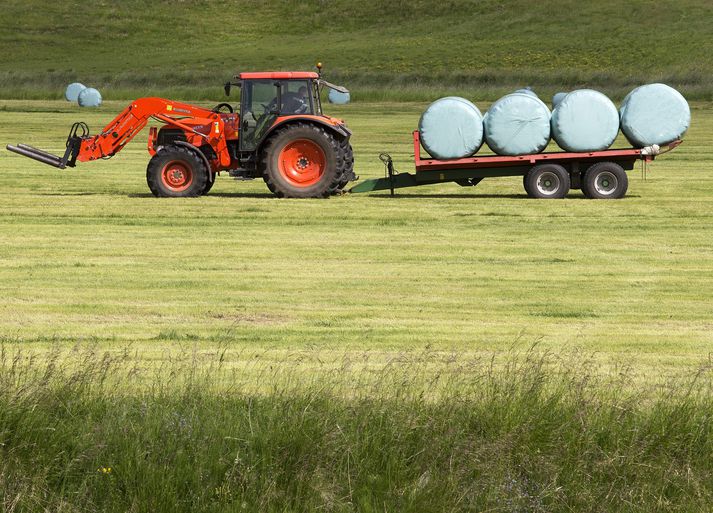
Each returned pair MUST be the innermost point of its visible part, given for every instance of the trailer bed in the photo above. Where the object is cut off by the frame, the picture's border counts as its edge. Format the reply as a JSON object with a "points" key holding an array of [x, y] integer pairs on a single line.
{"points": [[470, 171]]}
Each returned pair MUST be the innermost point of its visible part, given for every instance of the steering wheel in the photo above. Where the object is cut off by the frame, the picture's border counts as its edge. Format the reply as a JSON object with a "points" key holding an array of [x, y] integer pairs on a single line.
{"points": [[223, 105], [270, 106]]}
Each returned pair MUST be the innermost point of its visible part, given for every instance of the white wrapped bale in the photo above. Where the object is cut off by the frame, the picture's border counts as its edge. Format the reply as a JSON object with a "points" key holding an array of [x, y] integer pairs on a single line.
{"points": [[71, 94], [89, 97], [338, 98], [585, 120], [654, 114], [451, 128], [517, 124]]}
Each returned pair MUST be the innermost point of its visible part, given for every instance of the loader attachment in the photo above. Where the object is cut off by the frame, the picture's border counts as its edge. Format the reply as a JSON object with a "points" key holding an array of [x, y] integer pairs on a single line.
{"points": [[77, 133]]}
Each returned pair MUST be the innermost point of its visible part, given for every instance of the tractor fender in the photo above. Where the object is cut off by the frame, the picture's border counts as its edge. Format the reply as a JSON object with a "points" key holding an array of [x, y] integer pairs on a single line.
{"points": [[198, 151], [341, 131]]}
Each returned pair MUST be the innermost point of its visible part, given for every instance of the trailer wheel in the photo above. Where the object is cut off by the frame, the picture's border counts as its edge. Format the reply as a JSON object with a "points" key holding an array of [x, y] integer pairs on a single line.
{"points": [[605, 180], [547, 181], [176, 172], [301, 161]]}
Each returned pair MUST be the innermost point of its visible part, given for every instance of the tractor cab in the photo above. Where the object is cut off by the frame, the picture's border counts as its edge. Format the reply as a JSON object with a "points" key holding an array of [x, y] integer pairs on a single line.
{"points": [[265, 97]]}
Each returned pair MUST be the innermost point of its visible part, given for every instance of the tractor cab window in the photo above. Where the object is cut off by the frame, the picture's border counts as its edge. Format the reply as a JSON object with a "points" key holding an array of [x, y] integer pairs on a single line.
{"points": [[259, 100], [296, 97]]}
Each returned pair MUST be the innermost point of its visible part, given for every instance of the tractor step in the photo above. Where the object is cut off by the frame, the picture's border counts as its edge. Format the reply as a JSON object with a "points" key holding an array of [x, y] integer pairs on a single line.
{"points": [[74, 141]]}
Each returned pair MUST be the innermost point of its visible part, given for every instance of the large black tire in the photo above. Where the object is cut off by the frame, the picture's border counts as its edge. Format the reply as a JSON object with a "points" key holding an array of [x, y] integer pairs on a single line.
{"points": [[301, 161], [176, 172], [605, 180], [547, 181], [209, 184], [346, 164]]}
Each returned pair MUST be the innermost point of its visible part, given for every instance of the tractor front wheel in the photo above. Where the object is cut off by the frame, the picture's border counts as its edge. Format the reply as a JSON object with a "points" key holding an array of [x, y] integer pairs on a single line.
{"points": [[176, 172], [301, 161]]}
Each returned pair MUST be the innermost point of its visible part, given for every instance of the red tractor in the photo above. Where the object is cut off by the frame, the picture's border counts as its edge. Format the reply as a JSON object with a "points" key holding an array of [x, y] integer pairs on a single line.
{"points": [[280, 134]]}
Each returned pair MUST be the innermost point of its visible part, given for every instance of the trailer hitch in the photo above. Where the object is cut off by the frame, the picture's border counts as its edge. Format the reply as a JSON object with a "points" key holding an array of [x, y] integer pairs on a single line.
{"points": [[77, 133], [389, 170]]}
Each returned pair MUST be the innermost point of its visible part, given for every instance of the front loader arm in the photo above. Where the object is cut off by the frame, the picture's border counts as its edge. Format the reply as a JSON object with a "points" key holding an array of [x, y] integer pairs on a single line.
{"points": [[200, 124]]}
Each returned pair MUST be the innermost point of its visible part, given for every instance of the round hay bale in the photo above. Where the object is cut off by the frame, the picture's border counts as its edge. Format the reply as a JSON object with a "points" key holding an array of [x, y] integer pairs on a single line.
{"points": [[517, 124], [557, 98], [89, 97], [451, 128], [654, 114], [71, 94], [585, 120], [338, 98]]}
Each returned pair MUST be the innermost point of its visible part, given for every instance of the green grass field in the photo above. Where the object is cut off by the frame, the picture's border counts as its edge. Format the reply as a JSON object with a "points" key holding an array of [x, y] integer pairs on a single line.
{"points": [[90, 254], [238, 352], [414, 50]]}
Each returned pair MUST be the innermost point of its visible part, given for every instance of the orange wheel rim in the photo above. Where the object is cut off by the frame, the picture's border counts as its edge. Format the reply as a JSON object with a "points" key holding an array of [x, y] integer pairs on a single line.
{"points": [[302, 162], [176, 176]]}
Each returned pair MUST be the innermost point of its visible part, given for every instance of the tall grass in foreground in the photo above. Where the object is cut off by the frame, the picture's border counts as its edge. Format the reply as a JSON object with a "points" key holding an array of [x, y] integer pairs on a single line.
{"points": [[87, 431]]}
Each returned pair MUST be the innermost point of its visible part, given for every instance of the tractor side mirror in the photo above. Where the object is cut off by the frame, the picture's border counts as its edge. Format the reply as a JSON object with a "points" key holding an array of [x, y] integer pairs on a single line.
{"points": [[227, 87]]}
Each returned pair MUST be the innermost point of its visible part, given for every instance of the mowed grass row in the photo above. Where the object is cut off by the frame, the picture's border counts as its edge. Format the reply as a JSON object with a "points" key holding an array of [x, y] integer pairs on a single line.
{"points": [[89, 254]]}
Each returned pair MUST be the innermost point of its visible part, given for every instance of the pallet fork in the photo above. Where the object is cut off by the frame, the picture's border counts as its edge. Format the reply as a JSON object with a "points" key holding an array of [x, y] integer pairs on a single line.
{"points": [[77, 133]]}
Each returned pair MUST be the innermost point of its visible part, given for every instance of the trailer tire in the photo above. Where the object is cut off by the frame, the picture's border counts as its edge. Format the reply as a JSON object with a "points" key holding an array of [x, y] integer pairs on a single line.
{"points": [[301, 161], [605, 180], [547, 181], [176, 172]]}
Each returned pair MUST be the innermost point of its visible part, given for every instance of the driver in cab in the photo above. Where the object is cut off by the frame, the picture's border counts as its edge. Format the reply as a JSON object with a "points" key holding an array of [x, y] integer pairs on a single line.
{"points": [[295, 103]]}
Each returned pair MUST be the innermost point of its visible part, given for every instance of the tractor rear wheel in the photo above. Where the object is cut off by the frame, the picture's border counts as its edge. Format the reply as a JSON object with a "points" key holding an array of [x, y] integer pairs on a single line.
{"points": [[176, 172], [346, 157], [301, 161]]}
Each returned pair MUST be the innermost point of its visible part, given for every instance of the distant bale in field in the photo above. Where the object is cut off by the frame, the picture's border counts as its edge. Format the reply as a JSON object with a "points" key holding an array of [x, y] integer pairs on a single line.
{"points": [[89, 97], [557, 98], [338, 98], [585, 120], [451, 128], [654, 114], [71, 94], [527, 90], [517, 124]]}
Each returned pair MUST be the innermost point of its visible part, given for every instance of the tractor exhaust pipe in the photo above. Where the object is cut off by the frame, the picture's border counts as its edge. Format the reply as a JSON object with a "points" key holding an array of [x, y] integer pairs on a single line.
{"points": [[74, 142]]}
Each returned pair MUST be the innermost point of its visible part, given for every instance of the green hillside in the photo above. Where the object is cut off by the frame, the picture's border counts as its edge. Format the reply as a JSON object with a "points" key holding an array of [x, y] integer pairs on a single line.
{"points": [[398, 50]]}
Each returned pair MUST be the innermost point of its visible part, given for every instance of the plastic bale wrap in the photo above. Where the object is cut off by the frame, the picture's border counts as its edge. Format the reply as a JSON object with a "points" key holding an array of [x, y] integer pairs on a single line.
{"points": [[89, 97], [517, 124], [585, 120], [71, 94], [654, 114], [338, 98], [451, 128], [557, 98]]}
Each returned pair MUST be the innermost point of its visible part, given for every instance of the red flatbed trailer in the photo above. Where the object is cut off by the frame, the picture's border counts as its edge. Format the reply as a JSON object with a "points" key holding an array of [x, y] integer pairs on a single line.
{"points": [[600, 174]]}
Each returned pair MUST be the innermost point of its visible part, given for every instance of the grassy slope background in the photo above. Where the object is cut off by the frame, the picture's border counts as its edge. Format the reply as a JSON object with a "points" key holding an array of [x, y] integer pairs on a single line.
{"points": [[399, 50]]}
